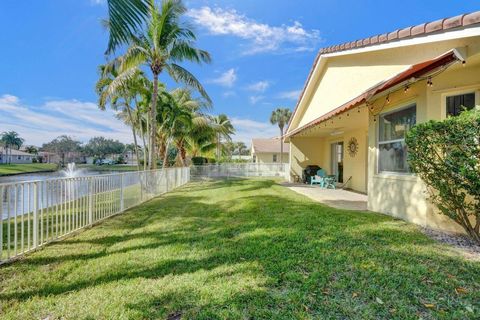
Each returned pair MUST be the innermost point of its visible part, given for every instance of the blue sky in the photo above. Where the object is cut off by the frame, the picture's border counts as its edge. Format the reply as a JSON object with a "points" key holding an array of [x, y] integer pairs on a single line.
{"points": [[262, 52]]}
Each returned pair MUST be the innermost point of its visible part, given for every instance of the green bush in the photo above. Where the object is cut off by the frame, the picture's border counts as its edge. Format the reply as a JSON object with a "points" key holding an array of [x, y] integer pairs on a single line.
{"points": [[446, 156]]}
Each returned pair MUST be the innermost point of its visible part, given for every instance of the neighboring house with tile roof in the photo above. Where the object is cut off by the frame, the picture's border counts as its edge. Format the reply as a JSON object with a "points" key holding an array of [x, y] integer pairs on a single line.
{"points": [[361, 97], [15, 156], [269, 151]]}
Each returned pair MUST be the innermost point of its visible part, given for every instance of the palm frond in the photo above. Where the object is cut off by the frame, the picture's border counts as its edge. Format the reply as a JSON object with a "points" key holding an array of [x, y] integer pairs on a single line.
{"points": [[180, 74], [125, 18]]}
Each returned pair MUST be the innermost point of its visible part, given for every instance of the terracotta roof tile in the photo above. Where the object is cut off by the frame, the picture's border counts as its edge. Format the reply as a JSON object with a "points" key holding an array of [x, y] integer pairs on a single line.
{"points": [[471, 18], [405, 32], [434, 26], [453, 22], [424, 28], [418, 30]]}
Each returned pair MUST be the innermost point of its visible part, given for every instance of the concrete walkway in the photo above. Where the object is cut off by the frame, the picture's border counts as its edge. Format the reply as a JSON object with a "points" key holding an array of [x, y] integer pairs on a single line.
{"points": [[340, 199]]}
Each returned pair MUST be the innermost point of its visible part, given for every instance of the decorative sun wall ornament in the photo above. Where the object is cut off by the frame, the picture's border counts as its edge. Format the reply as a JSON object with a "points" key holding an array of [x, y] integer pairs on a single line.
{"points": [[352, 147]]}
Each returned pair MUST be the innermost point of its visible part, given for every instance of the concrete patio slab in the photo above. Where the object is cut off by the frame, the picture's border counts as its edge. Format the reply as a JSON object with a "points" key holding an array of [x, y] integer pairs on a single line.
{"points": [[340, 199]]}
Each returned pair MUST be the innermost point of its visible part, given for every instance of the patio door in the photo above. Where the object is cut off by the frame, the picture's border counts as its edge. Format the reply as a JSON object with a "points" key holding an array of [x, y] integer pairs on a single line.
{"points": [[337, 160]]}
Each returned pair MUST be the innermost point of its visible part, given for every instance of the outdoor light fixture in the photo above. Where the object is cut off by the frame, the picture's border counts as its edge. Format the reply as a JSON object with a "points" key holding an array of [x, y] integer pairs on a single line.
{"points": [[407, 87], [429, 82]]}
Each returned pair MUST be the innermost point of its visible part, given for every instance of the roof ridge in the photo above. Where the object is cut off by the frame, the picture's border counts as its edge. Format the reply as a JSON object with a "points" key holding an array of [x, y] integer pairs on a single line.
{"points": [[461, 20]]}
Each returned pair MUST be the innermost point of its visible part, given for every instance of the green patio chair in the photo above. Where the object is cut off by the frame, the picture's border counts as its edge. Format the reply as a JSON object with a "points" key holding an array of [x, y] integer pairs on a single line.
{"points": [[319, 178], [329, 182]]}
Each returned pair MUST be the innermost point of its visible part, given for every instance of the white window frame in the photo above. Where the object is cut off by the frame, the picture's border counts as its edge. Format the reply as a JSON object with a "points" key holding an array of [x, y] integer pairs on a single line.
{"points": [[401, 107], [457, 92]]}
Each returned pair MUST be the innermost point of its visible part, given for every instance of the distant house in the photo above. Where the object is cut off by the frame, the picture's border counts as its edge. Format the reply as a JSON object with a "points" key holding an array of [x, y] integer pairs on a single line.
{"points": [[15, 156], [268, 151]]}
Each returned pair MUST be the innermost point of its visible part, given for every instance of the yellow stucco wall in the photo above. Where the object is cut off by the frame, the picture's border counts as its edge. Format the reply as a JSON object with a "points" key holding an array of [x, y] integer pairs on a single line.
{"points": [[399, 195], [268, 157], [308, 151], [354, 74], [305, 151], [404, 195]]}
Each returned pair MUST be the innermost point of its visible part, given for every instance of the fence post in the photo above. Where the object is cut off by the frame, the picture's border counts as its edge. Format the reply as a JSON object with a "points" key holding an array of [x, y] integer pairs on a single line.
{"points": [[122, 202], [90, 201], [35, 215]]}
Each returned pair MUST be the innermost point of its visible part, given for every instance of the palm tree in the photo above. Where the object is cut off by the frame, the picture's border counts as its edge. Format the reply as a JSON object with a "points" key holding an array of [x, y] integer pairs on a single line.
{"points": [[223, 129], [241, 147], [126, 17], [119, 90], [11, 139], [280, 116], [161, 45]]}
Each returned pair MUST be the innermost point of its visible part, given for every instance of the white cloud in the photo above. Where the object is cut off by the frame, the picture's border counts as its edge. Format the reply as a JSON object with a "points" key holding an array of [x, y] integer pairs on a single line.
{"points": [[229, 93], [40, 124], [259, 86], [246, 129], [261, 37], [226, 79], [98, 2], [255, 99], [291, 95]]}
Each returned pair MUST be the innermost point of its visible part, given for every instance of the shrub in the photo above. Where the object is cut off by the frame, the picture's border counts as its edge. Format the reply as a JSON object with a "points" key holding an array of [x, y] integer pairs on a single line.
{"points": [[446, 156]]}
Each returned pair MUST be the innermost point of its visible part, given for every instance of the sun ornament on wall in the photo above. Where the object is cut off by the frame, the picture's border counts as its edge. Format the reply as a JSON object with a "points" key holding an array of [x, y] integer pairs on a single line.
{"points": [[352, 147]]}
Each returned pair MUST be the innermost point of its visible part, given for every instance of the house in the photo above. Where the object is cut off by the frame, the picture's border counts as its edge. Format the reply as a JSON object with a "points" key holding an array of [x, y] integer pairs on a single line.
{"points": [[361, 97], [15, 156], [269, 151]]}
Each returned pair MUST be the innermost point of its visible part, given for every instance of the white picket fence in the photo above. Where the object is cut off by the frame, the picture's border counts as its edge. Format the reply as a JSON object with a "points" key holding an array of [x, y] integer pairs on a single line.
{"points": [[226, 170], [34, 213]]}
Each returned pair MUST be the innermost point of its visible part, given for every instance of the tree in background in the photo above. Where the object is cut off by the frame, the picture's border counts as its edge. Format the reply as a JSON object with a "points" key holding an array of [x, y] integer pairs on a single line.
{"points": [[31, 150], [241, 148], [11, 139], [280, 117], [101, 147], [62, 146], [160, 45], [223, 130]]}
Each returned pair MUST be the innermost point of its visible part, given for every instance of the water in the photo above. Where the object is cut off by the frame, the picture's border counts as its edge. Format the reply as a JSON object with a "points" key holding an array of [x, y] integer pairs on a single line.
{"points": [[22, 197]]}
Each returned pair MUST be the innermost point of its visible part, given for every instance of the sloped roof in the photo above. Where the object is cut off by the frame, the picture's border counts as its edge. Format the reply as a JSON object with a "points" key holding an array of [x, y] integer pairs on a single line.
{"points": [[269, 146], [413, 73], [15, 152], [438, 26]]}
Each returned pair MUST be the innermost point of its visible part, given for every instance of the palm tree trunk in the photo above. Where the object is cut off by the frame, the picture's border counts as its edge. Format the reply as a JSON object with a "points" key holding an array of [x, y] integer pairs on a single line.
{"points": [[281, 145], [218, 147], [153, 124], [130, 119], [165, 156]]}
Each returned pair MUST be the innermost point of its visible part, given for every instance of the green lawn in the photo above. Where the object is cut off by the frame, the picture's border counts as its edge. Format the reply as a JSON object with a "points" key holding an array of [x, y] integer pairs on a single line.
{"points": [[242, 249], [10, 169]]}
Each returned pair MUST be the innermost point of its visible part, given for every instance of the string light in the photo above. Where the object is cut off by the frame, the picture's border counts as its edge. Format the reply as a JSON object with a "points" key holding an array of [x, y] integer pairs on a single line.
{"points": [[429, 82], [388, 98], [407, 87]]}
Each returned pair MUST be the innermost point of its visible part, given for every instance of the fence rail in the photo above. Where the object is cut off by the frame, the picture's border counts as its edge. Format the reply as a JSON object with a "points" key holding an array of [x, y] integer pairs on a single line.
{"points": [[240, 170], [34, 213]]}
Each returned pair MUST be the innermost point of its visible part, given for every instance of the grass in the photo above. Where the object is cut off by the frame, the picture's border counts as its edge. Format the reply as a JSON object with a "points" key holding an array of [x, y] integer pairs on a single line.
{"points": [[114, 167], [242, 249], [11, 169]]}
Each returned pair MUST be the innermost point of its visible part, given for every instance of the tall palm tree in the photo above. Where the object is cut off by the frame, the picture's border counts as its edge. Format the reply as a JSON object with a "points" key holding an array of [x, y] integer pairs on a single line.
{"points": [[120, 90], [161, 45], [223, 130], [280, 116], [11, 139]]}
